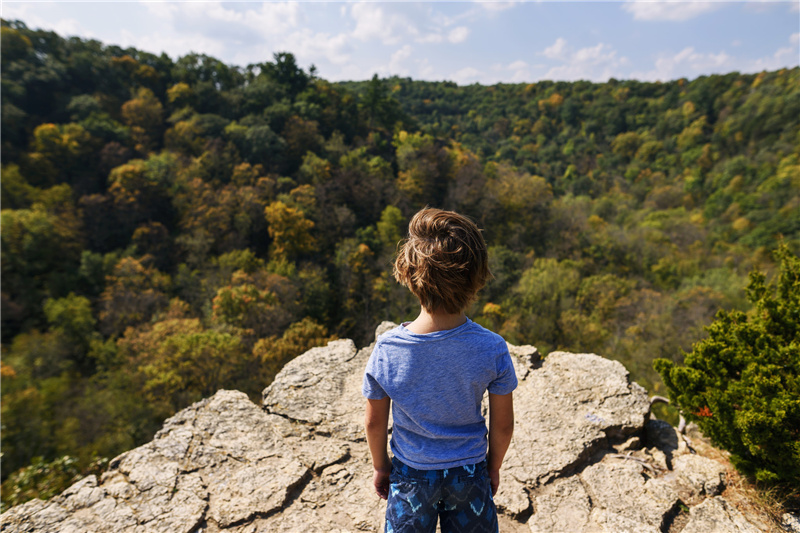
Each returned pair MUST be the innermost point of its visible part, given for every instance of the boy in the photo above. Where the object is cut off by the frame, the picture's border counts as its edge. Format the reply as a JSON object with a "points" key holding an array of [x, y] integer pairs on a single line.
{"points": [[433, 373]]}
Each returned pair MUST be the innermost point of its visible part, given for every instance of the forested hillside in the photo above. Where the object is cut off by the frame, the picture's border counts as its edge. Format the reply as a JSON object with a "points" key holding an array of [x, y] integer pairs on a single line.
{"points": [[172, 227]]}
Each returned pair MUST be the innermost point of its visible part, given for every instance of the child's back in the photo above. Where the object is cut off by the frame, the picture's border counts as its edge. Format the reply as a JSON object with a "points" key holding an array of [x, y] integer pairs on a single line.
{"points": [[436, 382], [434, 372]]}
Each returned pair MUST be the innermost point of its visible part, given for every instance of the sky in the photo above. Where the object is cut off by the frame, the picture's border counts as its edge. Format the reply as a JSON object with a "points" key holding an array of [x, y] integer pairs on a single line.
{"points": [[464, 42]]}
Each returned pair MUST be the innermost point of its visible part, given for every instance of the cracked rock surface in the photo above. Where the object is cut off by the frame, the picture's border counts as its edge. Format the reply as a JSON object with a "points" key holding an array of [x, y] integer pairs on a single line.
{"points": [[585, 457]]}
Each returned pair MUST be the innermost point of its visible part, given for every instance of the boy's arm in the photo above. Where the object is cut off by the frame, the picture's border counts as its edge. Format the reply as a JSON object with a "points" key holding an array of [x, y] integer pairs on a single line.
{"points": [[501, 427], [377, 424]]}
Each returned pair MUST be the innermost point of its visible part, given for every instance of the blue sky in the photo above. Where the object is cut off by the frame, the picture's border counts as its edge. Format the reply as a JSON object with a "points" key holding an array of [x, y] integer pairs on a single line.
{"points": [[465, 42]]}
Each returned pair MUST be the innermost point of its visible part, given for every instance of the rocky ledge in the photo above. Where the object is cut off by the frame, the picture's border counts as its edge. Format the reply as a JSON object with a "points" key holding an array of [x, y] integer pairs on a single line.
{"points": [[586, 457]]}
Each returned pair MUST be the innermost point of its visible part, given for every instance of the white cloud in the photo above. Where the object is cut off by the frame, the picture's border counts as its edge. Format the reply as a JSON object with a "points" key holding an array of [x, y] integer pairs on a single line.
{"points": [[70, 26], [761, 6], [64, 27], [425, 70], [242, 33], [497, 6], [783, 57], [556, 50], [521, 75], [393, 24], [396, 64], [466, 76], [351, 71], [162, 11], [690, 63], [431, 38], [686, 63], [402, 53], [373, 22], [173, 44], [266, 20], [458, 35], [668, 10], [596, 63], [514, 72], [311, 47], [217, 12]]}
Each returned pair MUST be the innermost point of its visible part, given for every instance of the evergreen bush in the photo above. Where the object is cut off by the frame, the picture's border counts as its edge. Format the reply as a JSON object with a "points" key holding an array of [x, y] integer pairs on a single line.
{"points": [[742, 383]]}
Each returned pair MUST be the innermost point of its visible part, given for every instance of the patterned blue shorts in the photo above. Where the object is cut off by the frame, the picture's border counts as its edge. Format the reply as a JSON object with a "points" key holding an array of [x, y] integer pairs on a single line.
{"points": [[461, 498]]}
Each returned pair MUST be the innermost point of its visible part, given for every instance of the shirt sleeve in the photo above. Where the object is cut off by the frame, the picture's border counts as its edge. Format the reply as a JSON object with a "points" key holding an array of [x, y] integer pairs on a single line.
{"points": [[506, 380], [371, 388]]}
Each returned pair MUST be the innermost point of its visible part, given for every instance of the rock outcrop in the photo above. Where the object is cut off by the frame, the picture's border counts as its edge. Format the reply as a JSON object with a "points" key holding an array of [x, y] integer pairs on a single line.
{"points": [[585, 458]]}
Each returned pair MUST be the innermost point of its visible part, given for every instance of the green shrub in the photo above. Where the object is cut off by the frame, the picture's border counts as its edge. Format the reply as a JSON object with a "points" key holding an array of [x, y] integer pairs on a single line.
{"points": [[742, 383], [39, 480], [42, 479]]}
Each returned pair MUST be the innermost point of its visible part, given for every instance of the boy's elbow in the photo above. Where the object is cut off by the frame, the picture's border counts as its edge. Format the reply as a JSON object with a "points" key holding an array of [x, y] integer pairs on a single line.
{"points": [[502, 426], [507, 428], [373, 424]]}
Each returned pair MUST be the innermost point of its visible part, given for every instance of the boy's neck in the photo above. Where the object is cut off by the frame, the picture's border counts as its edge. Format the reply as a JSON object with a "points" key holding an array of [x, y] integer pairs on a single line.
{"points": [[432, 321]]}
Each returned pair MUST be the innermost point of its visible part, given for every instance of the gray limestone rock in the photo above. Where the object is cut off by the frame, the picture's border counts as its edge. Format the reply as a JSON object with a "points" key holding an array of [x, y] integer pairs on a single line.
{"points": [[715, 515], [340, 498], [632, 444], [791, 522], [583, 458], [525, 359], [566, 410], [218, 460], [563, 505], [238, 494], [624, 499], [383, 327], [703, 476], [512, 498], [322, 388], [660, 434]]}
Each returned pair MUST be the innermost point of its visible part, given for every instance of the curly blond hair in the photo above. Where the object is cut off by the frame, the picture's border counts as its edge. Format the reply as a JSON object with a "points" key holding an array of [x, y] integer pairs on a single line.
{"points": [[443, 261]]}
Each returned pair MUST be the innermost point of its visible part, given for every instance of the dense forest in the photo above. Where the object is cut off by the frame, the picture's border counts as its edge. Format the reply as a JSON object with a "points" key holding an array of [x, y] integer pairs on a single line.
{"points": [[172, 227]]}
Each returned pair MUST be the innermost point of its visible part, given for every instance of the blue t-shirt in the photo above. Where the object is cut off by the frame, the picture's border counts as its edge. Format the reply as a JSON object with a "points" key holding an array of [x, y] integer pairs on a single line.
{"points": [[436, 382]]}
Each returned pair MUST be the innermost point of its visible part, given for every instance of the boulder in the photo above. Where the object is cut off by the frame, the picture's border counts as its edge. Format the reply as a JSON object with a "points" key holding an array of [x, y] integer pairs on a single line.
{"points": [[322, 388], [566, 410]]}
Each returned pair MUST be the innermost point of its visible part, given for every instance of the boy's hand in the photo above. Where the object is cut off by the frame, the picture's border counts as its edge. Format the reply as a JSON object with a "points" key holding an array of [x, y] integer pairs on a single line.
{"points": [[494, 479], [381, 481]]}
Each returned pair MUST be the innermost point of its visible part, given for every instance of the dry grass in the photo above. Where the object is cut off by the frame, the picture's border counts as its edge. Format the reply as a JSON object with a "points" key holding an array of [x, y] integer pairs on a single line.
{"points": [[763, 507]]}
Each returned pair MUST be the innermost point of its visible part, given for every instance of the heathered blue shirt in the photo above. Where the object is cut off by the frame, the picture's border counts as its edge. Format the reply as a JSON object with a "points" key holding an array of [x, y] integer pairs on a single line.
{"points": [[436, 382]]}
